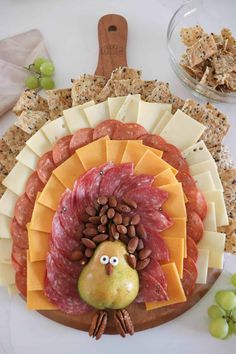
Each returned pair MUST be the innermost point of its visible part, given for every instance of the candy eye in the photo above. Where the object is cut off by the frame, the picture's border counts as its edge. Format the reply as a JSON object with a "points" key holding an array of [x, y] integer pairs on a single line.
{"points": [[114, 261], [104, 259]]}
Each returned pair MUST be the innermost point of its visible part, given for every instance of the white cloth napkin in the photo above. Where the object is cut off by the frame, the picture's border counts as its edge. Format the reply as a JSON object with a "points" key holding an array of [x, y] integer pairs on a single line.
{"points": [[15, 53]]}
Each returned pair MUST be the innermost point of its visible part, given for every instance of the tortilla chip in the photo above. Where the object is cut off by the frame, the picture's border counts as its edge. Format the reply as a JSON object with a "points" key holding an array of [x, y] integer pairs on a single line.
{"points": [[7, 157], [230, 231], [201, 50], [15, 138], [191, 35], [87, 88], [126, 87], [222, 156], [30, 100], [31, 121], [228, 179], [58, 100], [123, 73]]}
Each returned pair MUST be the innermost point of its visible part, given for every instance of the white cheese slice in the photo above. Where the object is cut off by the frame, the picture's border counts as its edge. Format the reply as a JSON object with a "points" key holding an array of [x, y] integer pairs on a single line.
{"points": [[5, 250], [97, 113], [210, 220], [202, 265], [55, 130], [39, 144], [5, 223], [209, 166], [149, 114], [7, 203], [204, 181], [12, 289], [182, 130], [128, 112], [28, 158], [7, 274], [164, 120], [17, 178], [217, 197], [75, 117], [215, 243], [197, 153], [114, 105]]}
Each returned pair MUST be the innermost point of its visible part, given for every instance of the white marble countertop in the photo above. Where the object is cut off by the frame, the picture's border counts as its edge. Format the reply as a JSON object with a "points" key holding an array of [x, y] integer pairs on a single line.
{"points": [[70, 31]]}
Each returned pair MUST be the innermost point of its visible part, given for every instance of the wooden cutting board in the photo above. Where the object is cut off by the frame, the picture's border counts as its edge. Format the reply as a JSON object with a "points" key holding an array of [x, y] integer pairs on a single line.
{"points": [[112, 35]]}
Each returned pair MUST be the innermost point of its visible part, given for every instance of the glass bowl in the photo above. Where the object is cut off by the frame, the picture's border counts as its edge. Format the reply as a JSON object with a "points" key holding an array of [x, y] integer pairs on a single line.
{"points": [[212, 16]]}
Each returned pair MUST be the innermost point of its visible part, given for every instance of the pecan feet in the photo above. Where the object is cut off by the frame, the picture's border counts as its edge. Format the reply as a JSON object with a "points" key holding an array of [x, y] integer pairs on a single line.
{"points": [[98, 325], [124, 324]]}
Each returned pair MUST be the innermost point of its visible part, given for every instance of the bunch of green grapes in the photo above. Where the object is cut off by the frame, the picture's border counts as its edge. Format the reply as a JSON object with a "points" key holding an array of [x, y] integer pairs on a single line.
{"points": [[41, 72], [223, 315]]}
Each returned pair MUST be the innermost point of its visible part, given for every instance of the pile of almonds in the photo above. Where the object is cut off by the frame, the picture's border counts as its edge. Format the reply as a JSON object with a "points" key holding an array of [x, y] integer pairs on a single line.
{"points": [[108, 219]]}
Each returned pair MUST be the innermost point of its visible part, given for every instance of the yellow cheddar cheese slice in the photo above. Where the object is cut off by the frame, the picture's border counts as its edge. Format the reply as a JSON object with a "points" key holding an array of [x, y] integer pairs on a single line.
{"points": [[36, 300], [174, 206], [69, 171], [175, 290], [134, 151], [35, 274], [165, 177], [38, 244], [176, 248], [41, 218], [93, 154], [115, 150], [178, 229], [152, 164], [52, 192]]}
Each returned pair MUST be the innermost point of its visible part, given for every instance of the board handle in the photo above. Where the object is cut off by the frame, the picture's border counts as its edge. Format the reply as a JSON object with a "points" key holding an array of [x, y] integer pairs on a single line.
{"points": [[112, 37]]}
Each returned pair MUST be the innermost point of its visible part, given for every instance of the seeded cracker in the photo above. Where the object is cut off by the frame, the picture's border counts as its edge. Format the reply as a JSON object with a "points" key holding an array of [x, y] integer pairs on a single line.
{"points": [[7, 157], [107, 91], [201, 50], [228, 179], [3, 174], [162, 94], [124, 72], [126, 87], [15, 138], [230, 231], [31, 121], [147, 89], [222, 156], [58, 100], [30, 100], [191, 35], [87, 88]]}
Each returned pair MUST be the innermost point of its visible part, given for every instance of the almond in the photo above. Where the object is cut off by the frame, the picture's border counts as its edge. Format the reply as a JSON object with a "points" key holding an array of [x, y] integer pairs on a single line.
{"points": [[131, 231], [100, 238], [141, 232], [143, 264], [91, 211], [144, 253], [88, 243], [76, 255], [112, 202], [135, 220], [121, 229], [102, 200], [131, 259], [111, 213], [132, 245], [90, 231]]}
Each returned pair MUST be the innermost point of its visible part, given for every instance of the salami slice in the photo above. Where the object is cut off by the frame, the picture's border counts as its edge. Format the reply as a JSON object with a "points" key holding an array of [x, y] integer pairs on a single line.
{"points": [[106, 128], [132, 182], [192, 251], [128, 131], [153, 140], [156, 243], [113, 176], [150, 289], [176, 160], [23, 210], [64, 264], [197, 203], [33, 186], [21, 283], [61, 150], [70, 305], [81, 138], [61, 282], [19, 234], [195, 226], [189, 276], [19, 255], [64, 244], [45, 166], [187, 181], [155, 270]]}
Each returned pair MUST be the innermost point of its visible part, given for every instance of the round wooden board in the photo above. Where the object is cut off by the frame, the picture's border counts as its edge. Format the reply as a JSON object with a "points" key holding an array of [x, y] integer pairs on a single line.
{"points": [[141, 318]]}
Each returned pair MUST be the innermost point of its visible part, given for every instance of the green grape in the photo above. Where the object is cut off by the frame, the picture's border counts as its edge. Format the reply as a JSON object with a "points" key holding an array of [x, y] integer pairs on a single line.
{"points": [[226, 299], [233, 314], [215, 311], [32, 82], [219, 328], [233, 279], [233, 328], [47, 83], [47, 69], [38, 62]]}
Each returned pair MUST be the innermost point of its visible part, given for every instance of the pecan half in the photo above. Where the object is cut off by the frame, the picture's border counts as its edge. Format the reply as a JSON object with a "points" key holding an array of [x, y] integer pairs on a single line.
{"points": [[98, 325], [123, 322]]}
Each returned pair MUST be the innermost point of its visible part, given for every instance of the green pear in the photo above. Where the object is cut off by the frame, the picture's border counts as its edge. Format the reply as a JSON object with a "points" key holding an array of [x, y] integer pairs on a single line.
{"points": [[114, 289]]}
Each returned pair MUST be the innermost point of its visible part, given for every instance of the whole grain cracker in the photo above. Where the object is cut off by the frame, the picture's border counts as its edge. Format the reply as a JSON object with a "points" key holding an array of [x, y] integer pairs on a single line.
{"points": [[147, 88], [107, 91], [87, 88], [7, 157], [58, 100], [2, 190], [123, 72], [30, 100], [161, 93], [222, 64], [228, 179], [126, 87], [15, 138], [201, 50], [222, 156], [3, 173], [208, 78], [31, 121], [191, 35], [230, 231]]}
